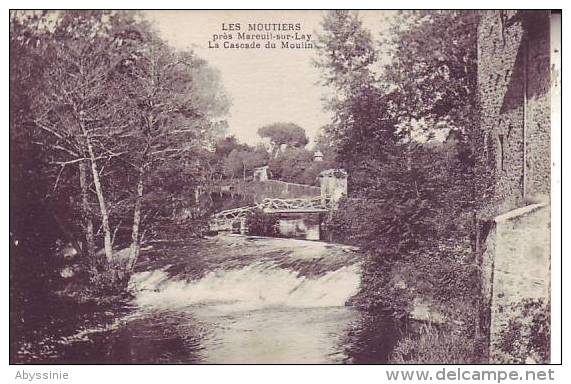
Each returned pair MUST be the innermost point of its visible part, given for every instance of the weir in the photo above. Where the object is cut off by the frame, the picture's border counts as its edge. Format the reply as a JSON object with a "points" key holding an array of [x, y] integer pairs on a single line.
{"points": [[256, 286], [266, 300]]}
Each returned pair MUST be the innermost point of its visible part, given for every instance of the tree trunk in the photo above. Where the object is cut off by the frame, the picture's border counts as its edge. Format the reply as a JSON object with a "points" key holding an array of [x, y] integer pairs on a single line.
{"points": [[135, 240], [66, 231], [89, 248], [101, 199]]}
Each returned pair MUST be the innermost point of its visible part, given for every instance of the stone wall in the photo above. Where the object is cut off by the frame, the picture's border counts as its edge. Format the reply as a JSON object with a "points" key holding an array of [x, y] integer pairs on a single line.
{"points": [[513, 167], [333, 183], [538, 162], [500, 87], [257, 191], [516, 268], [514, 98]]}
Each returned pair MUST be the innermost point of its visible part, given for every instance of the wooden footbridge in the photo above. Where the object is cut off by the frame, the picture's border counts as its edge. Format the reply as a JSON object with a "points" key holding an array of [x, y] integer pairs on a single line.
{"points": [[283, 199], [226, 220]]}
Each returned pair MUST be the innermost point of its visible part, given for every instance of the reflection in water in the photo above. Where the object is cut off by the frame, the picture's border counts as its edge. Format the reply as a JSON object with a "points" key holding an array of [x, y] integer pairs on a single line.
{"points": [[235, 300], [281, 336], [371, 339], [154, 338]]}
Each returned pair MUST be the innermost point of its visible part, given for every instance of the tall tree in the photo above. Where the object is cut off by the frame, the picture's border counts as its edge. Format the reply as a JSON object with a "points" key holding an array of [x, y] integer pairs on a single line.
{"points": [[113, 109], [433, 78], [174, 99], [433, 66], [78, 109], [363, 125], [283, 135], [346, 51], [411, 194]]}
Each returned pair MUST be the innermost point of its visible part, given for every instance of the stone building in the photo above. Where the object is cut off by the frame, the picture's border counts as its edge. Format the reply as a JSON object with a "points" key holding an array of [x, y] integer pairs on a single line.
{"points": [[261, 173], [333, 184], [318, 156], [517, 53], [514, 95]]}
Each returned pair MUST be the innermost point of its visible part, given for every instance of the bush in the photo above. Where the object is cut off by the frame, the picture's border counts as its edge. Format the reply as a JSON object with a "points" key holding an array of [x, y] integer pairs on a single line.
{"points": [[261, 224], [431, 345], [412, 254], [526, 336]]}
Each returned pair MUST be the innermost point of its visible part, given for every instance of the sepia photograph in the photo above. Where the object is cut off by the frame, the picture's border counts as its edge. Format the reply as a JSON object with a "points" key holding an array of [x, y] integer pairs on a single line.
{"points": [[283, 187]]}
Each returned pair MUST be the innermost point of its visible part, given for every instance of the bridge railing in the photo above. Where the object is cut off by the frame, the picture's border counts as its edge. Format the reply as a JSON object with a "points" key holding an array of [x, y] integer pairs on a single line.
{"points": [[315, 203]]}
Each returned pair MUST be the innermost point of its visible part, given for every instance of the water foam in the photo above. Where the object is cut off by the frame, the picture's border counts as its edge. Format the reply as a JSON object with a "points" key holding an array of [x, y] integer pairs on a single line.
{"points": [[252, 287]]}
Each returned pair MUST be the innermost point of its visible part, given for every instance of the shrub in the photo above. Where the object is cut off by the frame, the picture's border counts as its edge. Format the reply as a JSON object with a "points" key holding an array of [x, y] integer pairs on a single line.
{"points": [[261, 224], [432, 345], [526, 336]]}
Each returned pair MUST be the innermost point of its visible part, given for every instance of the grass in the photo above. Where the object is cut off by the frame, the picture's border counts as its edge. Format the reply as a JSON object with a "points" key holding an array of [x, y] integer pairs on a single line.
{"points": [[431, 345]]}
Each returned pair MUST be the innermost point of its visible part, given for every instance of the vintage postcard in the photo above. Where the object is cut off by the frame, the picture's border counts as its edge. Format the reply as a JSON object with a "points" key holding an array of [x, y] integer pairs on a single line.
{"points": [[283, 187]]}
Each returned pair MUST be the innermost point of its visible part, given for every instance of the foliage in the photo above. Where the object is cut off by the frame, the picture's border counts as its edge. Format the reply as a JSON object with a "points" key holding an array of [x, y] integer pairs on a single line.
{"points": [[177, 101], [362, 123], [346, 51], [227, 144], [241, 161], [261, 224], [310, 175], [102, 121], [283, 134], [433, 66], [32, 225], [431, 345], [405, 218], [291, 164], [371, 338], [411, 196], [526, 336], [324, 144], [287, 158]]}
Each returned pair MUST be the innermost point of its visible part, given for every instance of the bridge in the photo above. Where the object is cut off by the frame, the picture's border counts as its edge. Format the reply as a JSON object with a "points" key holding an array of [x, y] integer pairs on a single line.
{"points": [[283, 199], [227, 219]]}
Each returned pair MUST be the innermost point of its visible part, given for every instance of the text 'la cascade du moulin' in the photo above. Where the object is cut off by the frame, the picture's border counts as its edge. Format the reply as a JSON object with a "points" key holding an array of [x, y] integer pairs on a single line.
{"points": [[258, 35]]}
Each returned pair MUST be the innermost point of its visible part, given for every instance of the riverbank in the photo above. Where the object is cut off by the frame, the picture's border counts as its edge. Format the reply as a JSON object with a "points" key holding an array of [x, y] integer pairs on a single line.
{"points": [[434, 300]]}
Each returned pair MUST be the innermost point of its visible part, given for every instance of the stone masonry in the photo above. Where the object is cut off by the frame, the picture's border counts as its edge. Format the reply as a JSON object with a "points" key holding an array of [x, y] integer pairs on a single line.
{"points": [[513, 82], [513, 165]]}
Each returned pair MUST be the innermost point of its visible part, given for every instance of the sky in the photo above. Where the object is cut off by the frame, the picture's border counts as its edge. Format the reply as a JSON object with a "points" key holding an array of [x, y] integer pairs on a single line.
{"points": [[265, 85]]}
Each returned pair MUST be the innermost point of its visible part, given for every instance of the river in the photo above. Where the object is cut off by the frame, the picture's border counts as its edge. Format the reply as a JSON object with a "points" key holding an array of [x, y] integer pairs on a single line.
{"points": [[226, 299]]}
